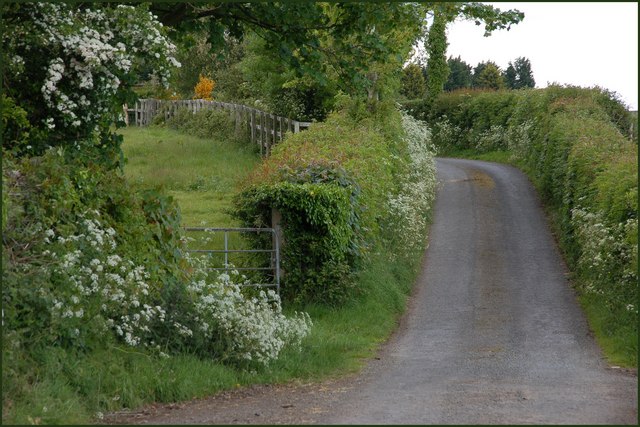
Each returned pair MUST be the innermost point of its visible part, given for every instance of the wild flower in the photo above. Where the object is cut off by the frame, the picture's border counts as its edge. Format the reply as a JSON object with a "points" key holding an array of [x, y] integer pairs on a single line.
{"points": [[410, 207], [605, 258], [92, 51], [254, 329]]}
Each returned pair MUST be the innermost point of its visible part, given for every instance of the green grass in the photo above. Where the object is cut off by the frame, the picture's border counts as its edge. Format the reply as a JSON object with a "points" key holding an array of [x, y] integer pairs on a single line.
{"points": [[201, 174]]}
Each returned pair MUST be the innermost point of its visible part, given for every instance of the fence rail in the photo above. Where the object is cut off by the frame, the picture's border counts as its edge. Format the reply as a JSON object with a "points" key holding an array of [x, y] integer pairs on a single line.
{"points": [[226, 251], [265, 129]]}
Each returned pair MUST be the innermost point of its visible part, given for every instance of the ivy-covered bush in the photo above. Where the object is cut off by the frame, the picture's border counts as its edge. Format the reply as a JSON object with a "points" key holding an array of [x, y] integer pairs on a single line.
{"points": [[575, 145], [337, 187]]}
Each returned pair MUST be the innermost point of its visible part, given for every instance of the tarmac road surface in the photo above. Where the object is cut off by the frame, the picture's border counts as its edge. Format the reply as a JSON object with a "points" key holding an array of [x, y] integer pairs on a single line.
{"points": [[493, 334]]}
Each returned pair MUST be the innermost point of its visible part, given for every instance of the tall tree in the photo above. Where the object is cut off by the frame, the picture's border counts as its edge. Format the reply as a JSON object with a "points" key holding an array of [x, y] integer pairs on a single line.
{"points": [[519, 75], [438, 71], [510, 76], [489, 76], [477, 70], [459, 74]]}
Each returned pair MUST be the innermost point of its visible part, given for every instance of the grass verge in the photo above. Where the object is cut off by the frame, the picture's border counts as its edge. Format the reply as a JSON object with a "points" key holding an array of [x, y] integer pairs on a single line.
{"points": [[72, 388]]}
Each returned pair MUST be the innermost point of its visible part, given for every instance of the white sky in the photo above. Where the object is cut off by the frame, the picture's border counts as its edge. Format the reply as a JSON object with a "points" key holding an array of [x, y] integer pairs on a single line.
{"points": [[584, 44]]}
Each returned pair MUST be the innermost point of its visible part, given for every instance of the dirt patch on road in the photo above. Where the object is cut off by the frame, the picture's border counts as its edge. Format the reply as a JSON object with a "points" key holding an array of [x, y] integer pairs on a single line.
{"points": [[294, 403]]}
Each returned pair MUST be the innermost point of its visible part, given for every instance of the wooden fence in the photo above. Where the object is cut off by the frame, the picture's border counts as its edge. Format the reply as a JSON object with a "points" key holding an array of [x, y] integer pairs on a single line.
{"points": [[264, 128]]}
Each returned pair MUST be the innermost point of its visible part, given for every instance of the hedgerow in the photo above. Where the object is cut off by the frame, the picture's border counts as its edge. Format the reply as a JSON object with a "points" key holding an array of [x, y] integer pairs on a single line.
{"points": [[573, 143], [339, 187], [88, 263]]}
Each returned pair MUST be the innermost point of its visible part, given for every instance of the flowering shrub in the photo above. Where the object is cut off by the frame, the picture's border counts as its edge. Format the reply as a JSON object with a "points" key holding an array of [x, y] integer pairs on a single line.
{"points": [[87, 266], [606, 259], [71, 68], [238, 328], [445, 135], [494, 138], [410, 208], [204, 88], [93, 289]]}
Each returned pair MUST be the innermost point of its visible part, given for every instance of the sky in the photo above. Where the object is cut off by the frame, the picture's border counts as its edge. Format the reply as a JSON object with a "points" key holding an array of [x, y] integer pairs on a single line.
{"points": [[583, 44]]}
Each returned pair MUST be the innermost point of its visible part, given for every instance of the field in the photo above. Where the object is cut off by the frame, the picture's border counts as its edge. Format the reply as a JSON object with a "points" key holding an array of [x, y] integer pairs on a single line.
{"points": [[200, 174]]}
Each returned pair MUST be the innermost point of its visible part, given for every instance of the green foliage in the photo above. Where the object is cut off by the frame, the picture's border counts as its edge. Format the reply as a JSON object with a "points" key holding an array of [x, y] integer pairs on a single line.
{"points": [[277, 87], [344, 44], [318, 223], [199, 56], [518, 74], [459, 74], [437, 68], [331, 185], [15, 125], [413, 85], [488, 77]]}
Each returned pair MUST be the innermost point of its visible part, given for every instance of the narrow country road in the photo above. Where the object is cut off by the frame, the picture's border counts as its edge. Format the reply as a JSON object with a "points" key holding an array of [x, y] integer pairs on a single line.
{"points": [[493, 335]]}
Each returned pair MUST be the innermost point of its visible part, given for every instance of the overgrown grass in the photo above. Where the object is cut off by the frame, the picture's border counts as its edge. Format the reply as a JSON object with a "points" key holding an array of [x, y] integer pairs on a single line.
{"points": [[201, 174]]}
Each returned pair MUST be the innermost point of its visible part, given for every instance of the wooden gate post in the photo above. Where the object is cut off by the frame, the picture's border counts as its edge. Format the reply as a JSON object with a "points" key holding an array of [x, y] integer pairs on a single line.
{"points": [[276, 224]]}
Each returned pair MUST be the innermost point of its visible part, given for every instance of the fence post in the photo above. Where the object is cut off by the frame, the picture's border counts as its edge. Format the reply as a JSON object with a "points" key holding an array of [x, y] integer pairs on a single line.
{"points": [[139, 113], [278, 242], [269, 126], [253, 125], [262, 121], [236, 108]]}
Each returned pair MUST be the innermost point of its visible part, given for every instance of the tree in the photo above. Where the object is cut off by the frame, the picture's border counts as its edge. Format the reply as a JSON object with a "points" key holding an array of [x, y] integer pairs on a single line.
{"points": [[438, 71], [459, 74], [413, 85], [518, 74], [477, 70], [319, 40], [70, 70], [510, 76], [489, 76]]}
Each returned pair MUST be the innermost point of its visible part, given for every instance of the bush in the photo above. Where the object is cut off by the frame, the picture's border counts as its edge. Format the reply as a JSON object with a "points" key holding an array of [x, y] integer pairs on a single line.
{"points": [[89, 264], [210, 123], [339, 188]]}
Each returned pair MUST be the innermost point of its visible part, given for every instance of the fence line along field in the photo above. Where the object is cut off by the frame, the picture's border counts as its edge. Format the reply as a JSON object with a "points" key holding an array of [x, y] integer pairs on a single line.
{"points": [[265, 129]]}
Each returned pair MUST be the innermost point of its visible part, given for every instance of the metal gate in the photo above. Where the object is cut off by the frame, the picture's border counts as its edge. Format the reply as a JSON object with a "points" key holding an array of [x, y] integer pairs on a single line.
{"points": [[229, 252]]}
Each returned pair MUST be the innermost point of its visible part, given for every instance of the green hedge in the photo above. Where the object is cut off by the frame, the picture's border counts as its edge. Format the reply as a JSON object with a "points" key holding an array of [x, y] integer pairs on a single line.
{"points": [[331, 184], [574, 143]]}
